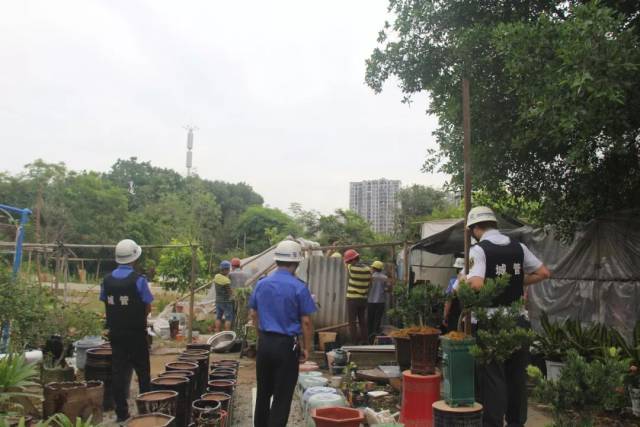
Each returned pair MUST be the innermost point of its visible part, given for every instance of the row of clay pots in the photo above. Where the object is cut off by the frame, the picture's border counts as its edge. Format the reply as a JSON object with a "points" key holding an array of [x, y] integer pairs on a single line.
{"points": [[177, 389]]}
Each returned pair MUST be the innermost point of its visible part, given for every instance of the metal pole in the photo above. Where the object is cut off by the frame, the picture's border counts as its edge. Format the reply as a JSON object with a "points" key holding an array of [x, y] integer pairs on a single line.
{"points": [[466, 125], [24, 218], [5, 327], [192, 284]]}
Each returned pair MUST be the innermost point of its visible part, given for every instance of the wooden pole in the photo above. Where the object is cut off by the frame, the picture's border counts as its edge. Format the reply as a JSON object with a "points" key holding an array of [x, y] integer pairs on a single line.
{"points": [[406, 274], [192, 284], [65, 275], [466, 125], [29, 265], [57, 271], [394, 277]]}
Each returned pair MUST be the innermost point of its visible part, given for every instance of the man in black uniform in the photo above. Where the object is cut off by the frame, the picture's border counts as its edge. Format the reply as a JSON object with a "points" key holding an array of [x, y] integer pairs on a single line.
{"points": [[127, 300], [501, 387]]}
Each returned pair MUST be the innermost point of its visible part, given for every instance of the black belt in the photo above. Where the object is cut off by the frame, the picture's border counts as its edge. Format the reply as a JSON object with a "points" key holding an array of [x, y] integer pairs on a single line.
{"points": [[277, 334]]}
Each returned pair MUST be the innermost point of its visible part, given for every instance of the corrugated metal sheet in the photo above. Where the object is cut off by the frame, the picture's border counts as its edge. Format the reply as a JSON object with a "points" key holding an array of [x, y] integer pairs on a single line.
{"points": [[327, 280]]}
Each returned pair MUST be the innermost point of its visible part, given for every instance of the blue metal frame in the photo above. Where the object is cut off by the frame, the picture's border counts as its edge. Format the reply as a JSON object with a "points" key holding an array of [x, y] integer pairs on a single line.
{"points": [[24, 218], [17, 260]]}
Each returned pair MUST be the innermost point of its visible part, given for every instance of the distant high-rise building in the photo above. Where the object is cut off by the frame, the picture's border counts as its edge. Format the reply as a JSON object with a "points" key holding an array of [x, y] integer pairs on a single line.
{"points": [[376, 201]]}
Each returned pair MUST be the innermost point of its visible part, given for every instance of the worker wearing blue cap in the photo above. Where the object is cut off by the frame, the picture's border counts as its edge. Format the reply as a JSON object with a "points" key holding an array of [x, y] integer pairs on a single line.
{"points": [[224, 297]]}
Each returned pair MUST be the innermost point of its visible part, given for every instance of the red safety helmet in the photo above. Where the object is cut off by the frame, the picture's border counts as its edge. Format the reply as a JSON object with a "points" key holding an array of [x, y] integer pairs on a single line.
{"points": [[235, 262], [350, 255]]}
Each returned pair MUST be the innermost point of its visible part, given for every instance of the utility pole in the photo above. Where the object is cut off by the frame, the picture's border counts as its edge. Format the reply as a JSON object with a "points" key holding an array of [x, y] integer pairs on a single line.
{"points": [[190, 130]]}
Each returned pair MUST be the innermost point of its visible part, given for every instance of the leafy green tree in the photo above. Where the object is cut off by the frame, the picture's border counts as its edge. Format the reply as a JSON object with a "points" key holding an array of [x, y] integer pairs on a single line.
{"points": [[308, 221], [28, 308], [145, 184], [262, 227], [174, 267], [96, 209], [554, 96], [344, 227], [416, 203]]}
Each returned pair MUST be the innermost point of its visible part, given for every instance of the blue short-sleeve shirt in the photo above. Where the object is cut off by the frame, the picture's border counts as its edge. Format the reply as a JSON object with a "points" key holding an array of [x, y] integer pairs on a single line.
{"points": [[281, 300], [141, 284]]}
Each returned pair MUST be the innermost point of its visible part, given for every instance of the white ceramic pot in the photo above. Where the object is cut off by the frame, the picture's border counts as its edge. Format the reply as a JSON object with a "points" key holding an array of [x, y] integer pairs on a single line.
{"points": [[553, 369]]}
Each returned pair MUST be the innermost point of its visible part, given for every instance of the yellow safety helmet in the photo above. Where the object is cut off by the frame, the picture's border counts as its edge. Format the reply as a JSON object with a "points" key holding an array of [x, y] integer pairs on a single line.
{"points": [[378, 265]]}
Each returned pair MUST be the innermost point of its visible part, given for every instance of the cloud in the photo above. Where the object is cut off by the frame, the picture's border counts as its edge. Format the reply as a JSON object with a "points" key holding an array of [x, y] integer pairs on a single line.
{"points": [[276, 89]]}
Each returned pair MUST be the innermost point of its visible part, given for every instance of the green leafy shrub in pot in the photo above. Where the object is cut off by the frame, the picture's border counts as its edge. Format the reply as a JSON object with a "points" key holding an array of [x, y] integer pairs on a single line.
{"points": [[421, 305], [551, 342], [585, 389]]}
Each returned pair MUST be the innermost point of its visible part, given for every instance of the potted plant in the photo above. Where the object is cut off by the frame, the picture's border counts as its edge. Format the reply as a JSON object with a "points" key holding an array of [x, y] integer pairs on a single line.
{"points": [[497, 337], [585, 389], [420, 311], [67, 325], [400, 315], [551, 345], [426, 304], [16, 376]]}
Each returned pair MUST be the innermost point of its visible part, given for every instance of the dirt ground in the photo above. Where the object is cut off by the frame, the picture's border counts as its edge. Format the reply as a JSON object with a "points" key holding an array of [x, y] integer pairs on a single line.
{"points": [[243, 401]]}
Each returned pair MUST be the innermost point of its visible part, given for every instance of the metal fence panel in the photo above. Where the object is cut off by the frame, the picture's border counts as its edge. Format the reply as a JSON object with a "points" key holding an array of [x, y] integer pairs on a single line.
{"points": [[327, 279]]}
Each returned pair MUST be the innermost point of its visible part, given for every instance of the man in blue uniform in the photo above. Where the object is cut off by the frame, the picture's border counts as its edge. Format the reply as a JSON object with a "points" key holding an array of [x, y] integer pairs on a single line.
{"points": [[281, 306], [127, 300], [501, 387]]}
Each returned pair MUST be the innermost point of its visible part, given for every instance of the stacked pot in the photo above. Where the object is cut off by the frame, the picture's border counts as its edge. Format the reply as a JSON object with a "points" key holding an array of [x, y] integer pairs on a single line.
{"points": [[174, 390], [213, 408], [193, 391]]}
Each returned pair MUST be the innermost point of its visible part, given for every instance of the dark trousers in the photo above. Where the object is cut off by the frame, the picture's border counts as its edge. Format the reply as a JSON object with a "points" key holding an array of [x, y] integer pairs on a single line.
{"points": [[502, 389], [375, 311], [277, 374], [128, 350], [357, 309]]}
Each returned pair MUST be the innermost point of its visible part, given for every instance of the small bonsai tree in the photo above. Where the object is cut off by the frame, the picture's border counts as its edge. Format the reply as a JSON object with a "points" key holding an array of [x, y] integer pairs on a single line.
{"points": [[421, 306], [499, 334]]}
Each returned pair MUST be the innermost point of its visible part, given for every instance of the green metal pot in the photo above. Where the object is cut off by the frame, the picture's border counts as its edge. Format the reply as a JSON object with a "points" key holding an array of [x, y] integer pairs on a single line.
{"points": [[458, 368]]}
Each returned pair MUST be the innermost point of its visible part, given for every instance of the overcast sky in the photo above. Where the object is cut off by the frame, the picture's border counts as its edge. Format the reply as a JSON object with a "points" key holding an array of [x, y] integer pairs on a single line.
{"points": [[276, 89]]}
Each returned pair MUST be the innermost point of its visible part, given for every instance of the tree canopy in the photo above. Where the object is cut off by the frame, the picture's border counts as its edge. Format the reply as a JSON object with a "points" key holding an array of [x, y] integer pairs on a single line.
{"points": [[134, 199], [417, 203], [554, 96]]}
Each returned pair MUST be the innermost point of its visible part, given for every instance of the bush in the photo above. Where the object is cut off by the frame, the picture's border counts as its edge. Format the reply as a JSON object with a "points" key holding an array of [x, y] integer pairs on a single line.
{"points": [[15, 374], [585, 388], [28, 308]]}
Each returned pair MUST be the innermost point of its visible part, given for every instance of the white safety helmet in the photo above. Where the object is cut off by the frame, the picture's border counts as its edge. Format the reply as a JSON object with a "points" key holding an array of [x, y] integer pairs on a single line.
{"points": [[289, 251], [127, 251], [480, 214], [458, 263]]}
